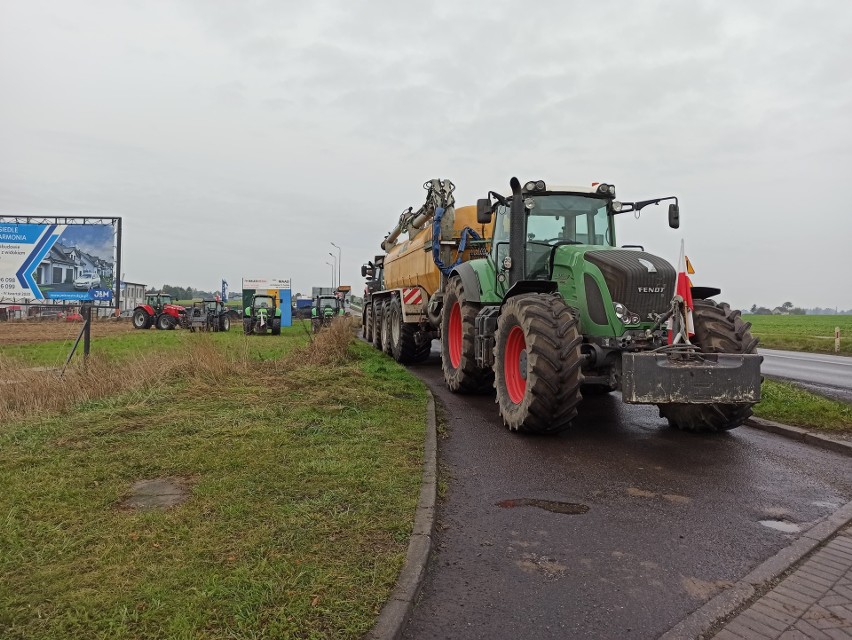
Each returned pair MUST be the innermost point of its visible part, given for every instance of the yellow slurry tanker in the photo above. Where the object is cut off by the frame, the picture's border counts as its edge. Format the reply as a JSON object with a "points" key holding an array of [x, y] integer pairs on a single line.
{"points": [[402, 306]]}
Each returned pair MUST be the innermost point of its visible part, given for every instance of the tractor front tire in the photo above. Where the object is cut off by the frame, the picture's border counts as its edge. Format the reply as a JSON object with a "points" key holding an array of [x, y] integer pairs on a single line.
{"points": [[718, 329], [537, 364], [276, 326], [165, 322], [458, 358], [247, 326], [141, 319]]}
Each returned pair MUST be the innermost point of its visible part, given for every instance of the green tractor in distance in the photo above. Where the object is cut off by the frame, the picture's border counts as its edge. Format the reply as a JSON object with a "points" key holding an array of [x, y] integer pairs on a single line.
{"points": [[557, 310], [325, 309], [262, 315]]}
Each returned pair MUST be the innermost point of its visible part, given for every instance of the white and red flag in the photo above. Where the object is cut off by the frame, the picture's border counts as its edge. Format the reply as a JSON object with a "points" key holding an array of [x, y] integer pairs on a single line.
{"points": [[683, 288]]}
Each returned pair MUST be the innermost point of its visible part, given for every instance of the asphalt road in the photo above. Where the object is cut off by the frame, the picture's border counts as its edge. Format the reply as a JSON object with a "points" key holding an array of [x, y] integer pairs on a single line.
{"points": [[648, 522], [828, 374]]}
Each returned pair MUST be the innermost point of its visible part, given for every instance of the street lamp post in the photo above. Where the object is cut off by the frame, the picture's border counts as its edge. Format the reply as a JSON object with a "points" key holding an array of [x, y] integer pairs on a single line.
{"points": [[334, 257], [339, 262], [332, 272]]}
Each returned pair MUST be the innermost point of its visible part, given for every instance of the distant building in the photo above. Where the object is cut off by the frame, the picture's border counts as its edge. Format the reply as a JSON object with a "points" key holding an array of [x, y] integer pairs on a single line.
{"points": [[132, 295]]}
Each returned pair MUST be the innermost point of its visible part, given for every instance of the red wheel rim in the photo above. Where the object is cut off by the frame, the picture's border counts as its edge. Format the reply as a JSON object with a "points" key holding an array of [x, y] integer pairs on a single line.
{"points": [[514, 372], [454, 339]]}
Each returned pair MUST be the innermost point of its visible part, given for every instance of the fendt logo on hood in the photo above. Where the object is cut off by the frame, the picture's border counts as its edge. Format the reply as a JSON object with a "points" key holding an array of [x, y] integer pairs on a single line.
{"points": [[650, 289]]}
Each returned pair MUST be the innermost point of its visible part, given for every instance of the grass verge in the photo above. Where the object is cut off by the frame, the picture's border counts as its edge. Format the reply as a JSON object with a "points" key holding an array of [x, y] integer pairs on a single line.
{"points": [[814, 334], [304, 466], [790, 404]]}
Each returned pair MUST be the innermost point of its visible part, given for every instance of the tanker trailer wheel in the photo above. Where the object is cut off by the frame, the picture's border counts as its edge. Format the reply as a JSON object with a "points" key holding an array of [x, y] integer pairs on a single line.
{"points": [[378, 308], [717, 330], [141, 319], [386, 330], [458, 358], [366, 319], [537, 364], [404, 348]]}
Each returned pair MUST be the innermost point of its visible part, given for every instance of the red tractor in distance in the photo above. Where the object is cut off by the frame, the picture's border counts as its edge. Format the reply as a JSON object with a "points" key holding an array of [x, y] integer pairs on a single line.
{"points": [[159, 311]]}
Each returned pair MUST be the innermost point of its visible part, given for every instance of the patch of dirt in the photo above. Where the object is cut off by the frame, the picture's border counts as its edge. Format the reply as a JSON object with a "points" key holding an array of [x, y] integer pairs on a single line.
{"points": [[676, 499], [640, 493], [157, 493], [703, 590], [34, 331], [532, 563]]}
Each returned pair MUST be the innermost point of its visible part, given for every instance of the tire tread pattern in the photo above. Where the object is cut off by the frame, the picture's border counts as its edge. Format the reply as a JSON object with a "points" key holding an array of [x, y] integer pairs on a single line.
{"points": [[553, 364]]}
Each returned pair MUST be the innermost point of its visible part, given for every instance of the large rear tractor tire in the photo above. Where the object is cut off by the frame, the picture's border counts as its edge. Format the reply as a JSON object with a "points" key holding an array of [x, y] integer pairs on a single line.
{"points": [[458, 358], [141, 319], [537, 364], [224, 323], [718, 329], [403, 341]]}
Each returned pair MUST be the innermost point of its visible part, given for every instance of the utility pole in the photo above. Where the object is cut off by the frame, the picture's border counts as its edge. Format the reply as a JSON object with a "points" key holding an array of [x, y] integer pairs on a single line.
{"points": [[333, 257], [339, 262]]}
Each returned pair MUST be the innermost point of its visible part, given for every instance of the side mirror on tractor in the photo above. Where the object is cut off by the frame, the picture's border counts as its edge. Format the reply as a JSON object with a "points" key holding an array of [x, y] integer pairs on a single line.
{"points": [[363, 271], [483, 210], [674, 216]]}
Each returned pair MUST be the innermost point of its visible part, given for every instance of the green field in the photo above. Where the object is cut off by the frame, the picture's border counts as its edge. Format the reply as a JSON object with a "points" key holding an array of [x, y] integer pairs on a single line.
{"points": [[802, 333], [303, 464]]}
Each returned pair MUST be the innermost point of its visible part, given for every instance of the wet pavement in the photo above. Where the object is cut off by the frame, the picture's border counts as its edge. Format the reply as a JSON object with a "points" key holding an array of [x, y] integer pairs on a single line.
{"points": [[618, 528]]}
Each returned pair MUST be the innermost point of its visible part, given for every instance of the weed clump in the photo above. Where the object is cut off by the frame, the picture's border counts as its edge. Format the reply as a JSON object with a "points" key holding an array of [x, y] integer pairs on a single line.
{"points": [[328, 347]]}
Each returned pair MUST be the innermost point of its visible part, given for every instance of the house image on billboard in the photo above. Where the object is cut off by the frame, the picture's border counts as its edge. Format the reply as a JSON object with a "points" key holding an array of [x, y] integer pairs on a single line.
{"points": [[63, 265]]}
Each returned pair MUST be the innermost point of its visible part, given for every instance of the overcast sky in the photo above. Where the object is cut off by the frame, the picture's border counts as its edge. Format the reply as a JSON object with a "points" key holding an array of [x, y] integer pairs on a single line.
{"points": [[238, 139]]}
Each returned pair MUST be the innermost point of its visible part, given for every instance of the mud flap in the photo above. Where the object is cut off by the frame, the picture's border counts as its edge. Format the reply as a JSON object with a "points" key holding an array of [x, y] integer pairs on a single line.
{"points": [[707, 378]]}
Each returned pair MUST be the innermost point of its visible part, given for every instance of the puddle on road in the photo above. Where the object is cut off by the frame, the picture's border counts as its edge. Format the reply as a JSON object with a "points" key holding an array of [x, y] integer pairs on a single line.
{"points": [[569, 508], [779, 525]]}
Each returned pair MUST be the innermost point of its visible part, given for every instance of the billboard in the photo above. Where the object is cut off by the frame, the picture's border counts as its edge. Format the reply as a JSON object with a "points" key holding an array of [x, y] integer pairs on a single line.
{"points": [[278, 288], [58, 258]]}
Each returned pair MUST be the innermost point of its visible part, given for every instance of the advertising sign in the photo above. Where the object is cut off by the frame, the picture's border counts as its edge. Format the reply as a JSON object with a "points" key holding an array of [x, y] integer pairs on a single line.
{"points": [[57, 261], [279, 288]]}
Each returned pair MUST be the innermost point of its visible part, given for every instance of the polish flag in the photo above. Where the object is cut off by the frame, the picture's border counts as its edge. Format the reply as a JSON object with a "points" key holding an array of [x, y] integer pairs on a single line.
{"points": [[683, 288]]}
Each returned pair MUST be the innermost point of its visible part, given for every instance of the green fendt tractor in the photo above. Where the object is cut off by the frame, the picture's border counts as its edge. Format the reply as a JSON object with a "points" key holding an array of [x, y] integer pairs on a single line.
{"points": [[557, 310], [262, 315]]}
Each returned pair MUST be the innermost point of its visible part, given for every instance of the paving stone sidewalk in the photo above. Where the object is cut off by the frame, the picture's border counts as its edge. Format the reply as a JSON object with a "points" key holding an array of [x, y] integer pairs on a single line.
{"points": [[813, 603]]}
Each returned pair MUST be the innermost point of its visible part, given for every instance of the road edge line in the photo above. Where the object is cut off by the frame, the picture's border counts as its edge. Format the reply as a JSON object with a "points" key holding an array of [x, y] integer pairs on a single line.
{"points": [[808, 436], [759, 580], [396, 611]]}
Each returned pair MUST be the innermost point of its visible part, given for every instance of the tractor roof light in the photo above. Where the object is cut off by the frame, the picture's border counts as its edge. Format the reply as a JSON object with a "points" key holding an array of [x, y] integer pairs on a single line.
{"points": [[535, 185], [605, 188], [616, 206]]}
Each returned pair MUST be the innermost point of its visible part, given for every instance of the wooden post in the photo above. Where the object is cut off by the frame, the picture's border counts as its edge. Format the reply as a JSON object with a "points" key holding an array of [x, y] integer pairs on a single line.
{"points": [[836, 339]]}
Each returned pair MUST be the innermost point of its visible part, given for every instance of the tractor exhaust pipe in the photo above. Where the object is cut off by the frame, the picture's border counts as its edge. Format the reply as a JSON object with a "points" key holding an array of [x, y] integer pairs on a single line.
{"points": [[517, 235]]}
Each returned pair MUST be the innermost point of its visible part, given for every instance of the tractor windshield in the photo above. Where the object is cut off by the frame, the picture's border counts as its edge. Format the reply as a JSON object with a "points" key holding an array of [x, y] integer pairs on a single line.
{"points": [[263, 302], [569, 219], [553, 220]]}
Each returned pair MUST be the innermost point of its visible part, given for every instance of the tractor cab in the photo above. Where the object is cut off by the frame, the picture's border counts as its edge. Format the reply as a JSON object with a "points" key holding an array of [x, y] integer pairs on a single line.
{"points": [[158, 301]]}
